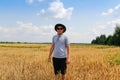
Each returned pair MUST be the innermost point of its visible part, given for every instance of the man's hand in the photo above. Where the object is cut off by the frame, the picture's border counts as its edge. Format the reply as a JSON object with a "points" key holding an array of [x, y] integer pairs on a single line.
{"points": [[68, 61], [49, 59]]}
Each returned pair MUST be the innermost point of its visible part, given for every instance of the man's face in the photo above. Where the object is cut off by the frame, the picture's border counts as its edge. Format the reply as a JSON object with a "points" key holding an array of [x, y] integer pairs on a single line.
{"points": [[60, 30]]}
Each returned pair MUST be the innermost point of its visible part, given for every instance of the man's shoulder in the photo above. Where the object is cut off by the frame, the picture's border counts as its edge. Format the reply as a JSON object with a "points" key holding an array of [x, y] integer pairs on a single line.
{"points": [[54, 36], [64, 36]]}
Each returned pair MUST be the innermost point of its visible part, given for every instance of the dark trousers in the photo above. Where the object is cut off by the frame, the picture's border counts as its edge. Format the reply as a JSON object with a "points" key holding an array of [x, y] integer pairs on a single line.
{"points": [[59, 65]]}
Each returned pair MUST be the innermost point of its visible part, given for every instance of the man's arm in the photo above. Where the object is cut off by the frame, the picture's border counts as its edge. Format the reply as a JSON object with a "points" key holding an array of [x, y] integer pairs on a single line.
{"points": [[50, 52], [68, 54]]}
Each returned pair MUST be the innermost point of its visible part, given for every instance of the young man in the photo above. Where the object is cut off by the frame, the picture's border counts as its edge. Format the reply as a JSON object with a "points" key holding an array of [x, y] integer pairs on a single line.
{"points": [[61, 47]]}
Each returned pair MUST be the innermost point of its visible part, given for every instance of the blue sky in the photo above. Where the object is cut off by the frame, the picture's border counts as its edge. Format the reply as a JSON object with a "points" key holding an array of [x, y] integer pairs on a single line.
{"points": [[34, 20]]}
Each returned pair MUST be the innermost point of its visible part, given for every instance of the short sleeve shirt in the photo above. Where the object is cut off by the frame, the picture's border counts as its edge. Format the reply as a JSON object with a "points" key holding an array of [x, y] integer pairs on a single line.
{"points": [[60, 43]]}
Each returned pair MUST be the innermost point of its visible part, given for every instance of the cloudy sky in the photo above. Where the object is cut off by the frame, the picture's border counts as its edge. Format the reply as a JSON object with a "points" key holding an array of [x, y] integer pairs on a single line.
{"points": [[34, 20]]}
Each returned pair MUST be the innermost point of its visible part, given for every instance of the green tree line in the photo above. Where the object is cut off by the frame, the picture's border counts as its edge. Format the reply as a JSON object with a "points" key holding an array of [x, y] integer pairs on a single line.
{"points": [[7, 42], [109, 40]]}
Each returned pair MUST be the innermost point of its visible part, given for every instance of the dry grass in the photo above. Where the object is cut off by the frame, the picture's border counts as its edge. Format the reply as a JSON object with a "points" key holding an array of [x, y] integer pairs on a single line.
{"points": [[29, 62]]}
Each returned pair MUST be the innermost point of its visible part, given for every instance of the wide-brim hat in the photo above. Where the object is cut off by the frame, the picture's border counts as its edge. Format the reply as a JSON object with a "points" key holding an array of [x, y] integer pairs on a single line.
{"points": [[57, 25]]}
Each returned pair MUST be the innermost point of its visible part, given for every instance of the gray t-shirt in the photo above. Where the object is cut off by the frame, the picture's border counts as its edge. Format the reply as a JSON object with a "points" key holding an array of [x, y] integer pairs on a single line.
{"points": [[60, 43]]}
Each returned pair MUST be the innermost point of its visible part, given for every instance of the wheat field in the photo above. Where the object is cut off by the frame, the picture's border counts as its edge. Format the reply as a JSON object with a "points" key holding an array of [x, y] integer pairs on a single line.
{"points": [[88, 62]]}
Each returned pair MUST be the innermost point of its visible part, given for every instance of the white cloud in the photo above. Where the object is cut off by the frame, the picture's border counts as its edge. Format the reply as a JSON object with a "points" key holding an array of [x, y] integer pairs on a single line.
{"points": [[117, 7], [113, 23], [56, 10], [107, 28], [29, 28], [111, 10], [95, 31], [41, 12], [27, 32], [32, 1], [41, 0]]}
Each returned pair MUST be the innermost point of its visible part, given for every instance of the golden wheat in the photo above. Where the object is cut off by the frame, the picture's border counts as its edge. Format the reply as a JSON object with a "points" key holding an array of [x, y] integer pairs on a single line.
{"points": [[29, 62]]}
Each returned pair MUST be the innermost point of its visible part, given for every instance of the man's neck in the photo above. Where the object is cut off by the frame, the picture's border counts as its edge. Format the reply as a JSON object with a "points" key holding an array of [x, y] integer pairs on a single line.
{"points": [[59, 34]]}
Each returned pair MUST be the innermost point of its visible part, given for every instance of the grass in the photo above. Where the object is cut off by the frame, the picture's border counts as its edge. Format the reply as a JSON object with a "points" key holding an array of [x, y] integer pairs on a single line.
{"points": [[115, 59], [22, 46], [88, 62]]}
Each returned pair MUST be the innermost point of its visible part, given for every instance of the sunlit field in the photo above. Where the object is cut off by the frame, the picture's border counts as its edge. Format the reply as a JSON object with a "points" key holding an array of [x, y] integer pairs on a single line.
{"points": [[88, 62]]}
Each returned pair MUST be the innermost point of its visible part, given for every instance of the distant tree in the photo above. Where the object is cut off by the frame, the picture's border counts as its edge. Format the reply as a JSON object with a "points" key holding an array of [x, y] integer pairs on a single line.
{"points": [[109, 40], [102, 39], [18, 42], [97, 40], [116, 36], [93, 41]]}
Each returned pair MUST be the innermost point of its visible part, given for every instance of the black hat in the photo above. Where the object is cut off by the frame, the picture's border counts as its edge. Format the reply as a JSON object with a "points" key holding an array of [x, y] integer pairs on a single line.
{"points": [[56, 26]]}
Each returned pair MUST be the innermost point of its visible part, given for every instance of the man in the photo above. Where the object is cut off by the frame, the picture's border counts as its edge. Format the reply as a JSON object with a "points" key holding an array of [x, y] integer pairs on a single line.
{"points": [[61, 47]]}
